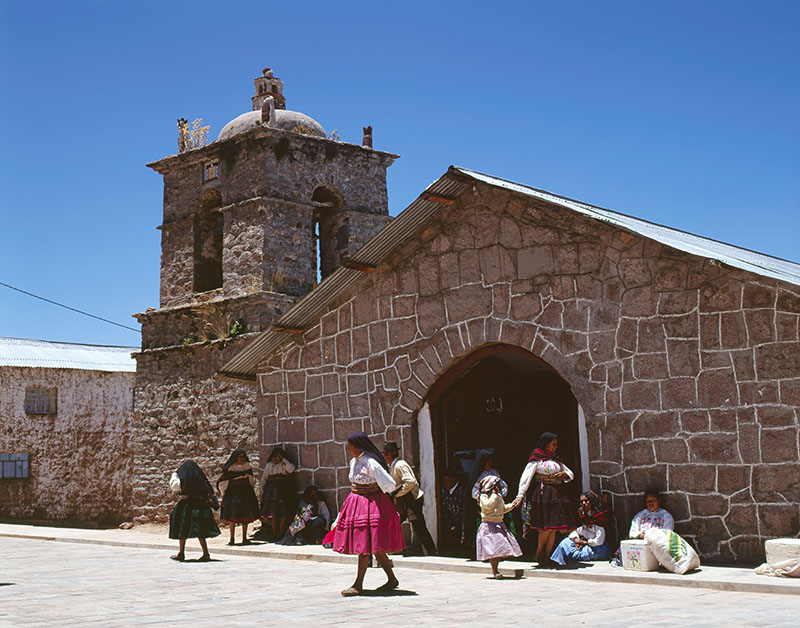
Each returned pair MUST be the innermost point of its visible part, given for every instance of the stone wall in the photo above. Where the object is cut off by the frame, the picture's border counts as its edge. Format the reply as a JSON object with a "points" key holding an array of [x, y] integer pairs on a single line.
{"points": [[81, 459], [688, 371], [182, 412]]}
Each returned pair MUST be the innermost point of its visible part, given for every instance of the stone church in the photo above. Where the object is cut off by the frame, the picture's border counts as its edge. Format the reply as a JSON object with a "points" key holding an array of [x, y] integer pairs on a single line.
{"points": [[482, 315]]}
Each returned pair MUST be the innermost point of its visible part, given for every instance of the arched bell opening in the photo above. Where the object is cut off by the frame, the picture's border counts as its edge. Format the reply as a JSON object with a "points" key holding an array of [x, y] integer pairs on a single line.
{"points": [[500, 397]]}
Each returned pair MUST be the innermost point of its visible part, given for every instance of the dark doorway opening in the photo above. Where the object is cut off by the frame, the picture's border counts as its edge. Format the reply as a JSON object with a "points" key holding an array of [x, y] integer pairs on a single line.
{"points": [[502, 397]]}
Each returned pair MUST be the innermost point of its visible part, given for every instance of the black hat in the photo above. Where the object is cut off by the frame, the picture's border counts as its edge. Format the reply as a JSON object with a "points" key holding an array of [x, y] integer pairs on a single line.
{"points": [[390, 446]]}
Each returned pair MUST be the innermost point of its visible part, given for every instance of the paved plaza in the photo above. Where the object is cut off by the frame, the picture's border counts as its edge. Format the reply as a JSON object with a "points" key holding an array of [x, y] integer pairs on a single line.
{"points": [[49, 583]]}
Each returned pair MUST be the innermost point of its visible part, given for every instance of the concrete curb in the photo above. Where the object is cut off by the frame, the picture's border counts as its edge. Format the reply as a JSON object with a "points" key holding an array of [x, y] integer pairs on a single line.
{"points": [[707, 577]]}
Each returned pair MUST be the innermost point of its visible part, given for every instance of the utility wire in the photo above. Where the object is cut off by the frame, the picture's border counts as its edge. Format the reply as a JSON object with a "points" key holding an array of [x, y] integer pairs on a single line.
{"points": [[36, 296]]}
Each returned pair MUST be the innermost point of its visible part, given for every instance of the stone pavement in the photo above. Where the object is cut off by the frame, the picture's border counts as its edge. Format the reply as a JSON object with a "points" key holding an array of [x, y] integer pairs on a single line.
{"points": [[132, 582]]}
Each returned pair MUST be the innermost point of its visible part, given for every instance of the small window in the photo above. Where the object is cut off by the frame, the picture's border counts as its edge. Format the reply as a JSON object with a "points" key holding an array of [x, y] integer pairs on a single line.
{"points": [[14, 466], [211, 171], [41, 400]]}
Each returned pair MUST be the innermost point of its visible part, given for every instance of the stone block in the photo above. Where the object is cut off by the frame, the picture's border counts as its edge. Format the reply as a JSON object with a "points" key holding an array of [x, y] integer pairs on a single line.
{"points": [[721, 296], [566, 258], [331, 454], [650, 336], [750, 442], [402, 331], [626, 334], [708, 505], [777, 483], [775, 416], [788, 302], [319, 428], [640, 479], [671, 450], [747, 549], [650, 366], [309, 458], [710, 338], [732, 478], [678, 393], [755, 295], [683, 357], [467, 302], [760, 326], [790, 392], [779, 445], [634, 272], [733, 330], [638, 453], [342, 428], [535, 260], [291, 430], [679, 302], [723, 420], [590, 288], [692, 478], [686, 326], [655, 425], [742, 519], [717, 389], [786, 327], [779, 520], [639, 302], [614, 434], [778, 360], [590, 257], [713, 447], [641, 396]]}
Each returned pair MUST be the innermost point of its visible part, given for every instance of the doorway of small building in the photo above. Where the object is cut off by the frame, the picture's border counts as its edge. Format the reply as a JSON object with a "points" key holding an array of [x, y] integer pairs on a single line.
{"points": [[502, 397]]}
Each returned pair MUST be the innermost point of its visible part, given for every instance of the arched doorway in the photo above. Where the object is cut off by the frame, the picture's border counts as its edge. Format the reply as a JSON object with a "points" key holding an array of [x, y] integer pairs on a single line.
{"points": [[501, 397]]}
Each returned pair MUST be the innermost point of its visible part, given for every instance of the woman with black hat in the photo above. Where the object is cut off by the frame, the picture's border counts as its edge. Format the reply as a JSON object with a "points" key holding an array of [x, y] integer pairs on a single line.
{"points": [[546, 506], [192, 516], [239, 503], [368, 521]]}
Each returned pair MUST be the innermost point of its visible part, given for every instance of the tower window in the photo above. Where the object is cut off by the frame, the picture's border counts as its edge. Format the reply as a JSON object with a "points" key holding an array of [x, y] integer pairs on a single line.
{"points": [[211, 171], [329, 230], [209, 226]]}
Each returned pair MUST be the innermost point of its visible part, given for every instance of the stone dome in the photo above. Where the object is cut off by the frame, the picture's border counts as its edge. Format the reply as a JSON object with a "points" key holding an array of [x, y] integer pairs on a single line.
{"points": [[286, 120]]}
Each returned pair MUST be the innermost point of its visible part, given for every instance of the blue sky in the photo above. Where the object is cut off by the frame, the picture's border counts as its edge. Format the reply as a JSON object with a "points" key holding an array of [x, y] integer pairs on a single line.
{"points": [[683, 113]]}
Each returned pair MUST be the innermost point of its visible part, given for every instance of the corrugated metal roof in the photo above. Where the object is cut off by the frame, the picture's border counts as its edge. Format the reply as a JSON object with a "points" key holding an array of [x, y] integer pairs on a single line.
{"points": [[449, 186], [30, 353]]}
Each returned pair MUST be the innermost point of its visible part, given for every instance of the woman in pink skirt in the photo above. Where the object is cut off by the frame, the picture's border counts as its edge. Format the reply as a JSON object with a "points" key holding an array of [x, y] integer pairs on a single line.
{"points": [[368, 521], [494, 542]]}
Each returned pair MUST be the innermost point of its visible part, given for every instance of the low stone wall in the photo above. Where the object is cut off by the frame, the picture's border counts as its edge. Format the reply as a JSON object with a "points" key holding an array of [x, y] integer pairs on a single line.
{"points": [[81, 460]]}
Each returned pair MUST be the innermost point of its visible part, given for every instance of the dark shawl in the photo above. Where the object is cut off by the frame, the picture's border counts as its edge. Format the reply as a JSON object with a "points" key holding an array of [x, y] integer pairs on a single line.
{"points": [[539, 452], [226, 474], [362, 441], [275, 452], [595, 514], [481, 456], [194, 482]]}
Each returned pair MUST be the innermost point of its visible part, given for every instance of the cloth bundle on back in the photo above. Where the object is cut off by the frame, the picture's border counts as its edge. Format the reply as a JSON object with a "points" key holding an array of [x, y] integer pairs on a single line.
{"points": [[192, 517]]}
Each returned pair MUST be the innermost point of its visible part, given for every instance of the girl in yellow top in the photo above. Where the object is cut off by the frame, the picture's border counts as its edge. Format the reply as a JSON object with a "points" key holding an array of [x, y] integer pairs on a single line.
{"points": [[494, 542]]}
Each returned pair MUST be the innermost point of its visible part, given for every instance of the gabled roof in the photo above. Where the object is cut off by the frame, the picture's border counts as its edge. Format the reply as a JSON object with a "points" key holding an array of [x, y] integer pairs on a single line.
{"points": [[443, 192], [30, 353]]}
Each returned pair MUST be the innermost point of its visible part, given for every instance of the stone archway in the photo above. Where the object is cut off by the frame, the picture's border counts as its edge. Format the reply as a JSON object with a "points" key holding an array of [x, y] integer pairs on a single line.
{"points": [[499, 396]]}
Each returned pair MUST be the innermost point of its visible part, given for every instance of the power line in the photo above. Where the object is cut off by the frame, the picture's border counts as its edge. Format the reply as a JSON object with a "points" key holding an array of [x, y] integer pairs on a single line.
{"points": [[36, 296]]}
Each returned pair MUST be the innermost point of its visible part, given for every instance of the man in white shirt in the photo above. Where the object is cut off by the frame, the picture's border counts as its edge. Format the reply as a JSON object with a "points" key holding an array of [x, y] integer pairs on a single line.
{"points": [[408, 497]]}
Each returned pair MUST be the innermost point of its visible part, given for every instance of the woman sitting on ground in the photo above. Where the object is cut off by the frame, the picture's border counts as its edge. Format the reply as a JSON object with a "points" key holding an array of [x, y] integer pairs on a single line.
{"points": [[311, 522], [653, 516], [588, 541]]}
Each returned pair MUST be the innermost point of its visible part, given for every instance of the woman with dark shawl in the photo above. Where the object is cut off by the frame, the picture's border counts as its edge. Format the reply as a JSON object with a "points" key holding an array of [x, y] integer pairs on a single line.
{"points": [[192, 516], [589, 540], [368, 522], [546, 506], [239, 503], [278, 498]]}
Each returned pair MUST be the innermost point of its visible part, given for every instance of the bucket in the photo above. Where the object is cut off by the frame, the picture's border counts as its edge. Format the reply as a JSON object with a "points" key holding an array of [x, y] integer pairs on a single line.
{"points": [[636, 555]]}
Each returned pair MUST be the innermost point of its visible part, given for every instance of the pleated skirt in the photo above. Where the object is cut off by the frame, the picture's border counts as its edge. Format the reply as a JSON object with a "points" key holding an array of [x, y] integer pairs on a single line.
{"points": [[368, 524]]}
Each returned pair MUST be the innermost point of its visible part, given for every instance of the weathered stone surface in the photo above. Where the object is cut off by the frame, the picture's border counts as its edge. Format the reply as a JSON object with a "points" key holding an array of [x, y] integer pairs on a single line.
{"points": [[671, 450], [638, 453], [779, 520], [779, 445], [692, 478], [713, 448]]}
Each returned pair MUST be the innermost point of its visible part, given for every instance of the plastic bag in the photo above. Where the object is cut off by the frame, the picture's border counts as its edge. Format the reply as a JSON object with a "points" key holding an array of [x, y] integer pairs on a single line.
{"points": [[673, 552]]}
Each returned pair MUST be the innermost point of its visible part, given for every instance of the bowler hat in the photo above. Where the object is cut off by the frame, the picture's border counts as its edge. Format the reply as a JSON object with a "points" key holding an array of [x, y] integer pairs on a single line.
{"points": [[390, 446]]}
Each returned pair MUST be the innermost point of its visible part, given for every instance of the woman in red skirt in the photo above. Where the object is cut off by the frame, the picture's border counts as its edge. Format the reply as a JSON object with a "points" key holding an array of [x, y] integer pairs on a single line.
{"points": [[368, 521]]}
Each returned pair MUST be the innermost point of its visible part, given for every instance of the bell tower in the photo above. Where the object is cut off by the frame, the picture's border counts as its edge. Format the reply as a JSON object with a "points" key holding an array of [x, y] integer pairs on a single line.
{"points": [[252, 221]]}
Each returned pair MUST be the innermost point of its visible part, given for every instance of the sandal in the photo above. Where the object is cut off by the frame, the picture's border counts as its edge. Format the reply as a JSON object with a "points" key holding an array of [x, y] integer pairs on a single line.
{"points": [[351, 592], [388, 586], [246, 542], [231, 542], [205, 558], [179, 557], [499, 576]]}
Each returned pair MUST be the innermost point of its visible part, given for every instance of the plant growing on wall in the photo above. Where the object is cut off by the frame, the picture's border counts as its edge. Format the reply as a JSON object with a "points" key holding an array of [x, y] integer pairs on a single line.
{"points": [[196, 135]]}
